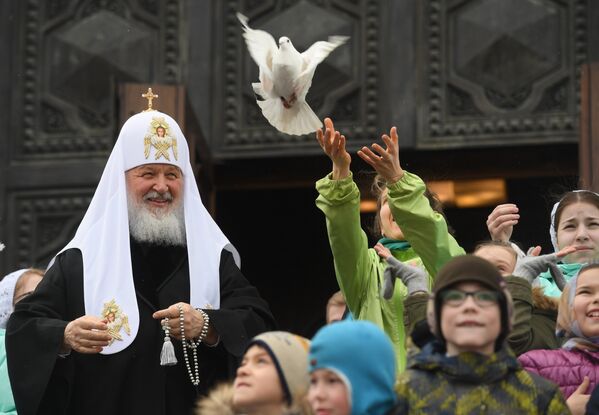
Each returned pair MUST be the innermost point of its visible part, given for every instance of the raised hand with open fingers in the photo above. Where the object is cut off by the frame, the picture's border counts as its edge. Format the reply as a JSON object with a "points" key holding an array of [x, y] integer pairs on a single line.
{"points": [[385, 160], [531, 266], [332, 143], [502, 220]]}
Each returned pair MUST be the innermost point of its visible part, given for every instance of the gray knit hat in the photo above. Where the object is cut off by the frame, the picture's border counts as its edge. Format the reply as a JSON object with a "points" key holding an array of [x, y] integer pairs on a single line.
{"points": [[289, 353]]}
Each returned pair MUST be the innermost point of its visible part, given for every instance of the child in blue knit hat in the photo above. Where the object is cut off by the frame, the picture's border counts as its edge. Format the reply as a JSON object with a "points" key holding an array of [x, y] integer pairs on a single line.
{"points": [[352, 370]]}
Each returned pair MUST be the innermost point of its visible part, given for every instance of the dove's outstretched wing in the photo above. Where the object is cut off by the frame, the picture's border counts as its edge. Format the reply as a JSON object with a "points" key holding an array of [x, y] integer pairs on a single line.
{"points": [[262, 47], [312, 57]]}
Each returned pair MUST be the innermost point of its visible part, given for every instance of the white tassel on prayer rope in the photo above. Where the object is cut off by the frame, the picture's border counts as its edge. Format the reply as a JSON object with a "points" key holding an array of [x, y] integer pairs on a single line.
{"points": [[167, 355]]}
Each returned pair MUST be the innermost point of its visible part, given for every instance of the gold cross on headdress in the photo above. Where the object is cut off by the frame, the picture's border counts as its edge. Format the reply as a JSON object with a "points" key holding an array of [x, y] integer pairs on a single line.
{"points": [[149, 96]]}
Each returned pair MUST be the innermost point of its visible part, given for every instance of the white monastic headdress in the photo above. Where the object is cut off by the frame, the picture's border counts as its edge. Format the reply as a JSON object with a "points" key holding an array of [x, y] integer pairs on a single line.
{"points": [[103, 235], [7, 293]]}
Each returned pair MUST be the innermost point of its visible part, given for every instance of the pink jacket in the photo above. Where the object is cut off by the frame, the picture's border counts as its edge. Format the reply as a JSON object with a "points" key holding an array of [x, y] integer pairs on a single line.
{"points": [[566, 368]]}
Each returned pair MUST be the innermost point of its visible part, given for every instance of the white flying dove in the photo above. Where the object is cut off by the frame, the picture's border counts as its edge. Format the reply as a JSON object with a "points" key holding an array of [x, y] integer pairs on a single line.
{"points": [[285, 78]]}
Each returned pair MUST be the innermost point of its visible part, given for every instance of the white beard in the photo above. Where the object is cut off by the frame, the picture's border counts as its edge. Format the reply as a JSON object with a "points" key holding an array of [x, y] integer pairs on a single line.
{"points": [[159, 228]]}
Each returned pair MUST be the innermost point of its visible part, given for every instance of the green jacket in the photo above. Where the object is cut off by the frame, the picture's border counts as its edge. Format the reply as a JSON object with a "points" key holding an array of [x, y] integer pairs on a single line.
{"points": [[535, 316], [471, 383], [415, 310], [7, 403], [359, 269]]}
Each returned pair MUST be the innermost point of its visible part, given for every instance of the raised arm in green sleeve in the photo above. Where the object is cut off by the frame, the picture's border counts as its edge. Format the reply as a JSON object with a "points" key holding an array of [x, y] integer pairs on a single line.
{"points": [[425, 229], [339, 200]]}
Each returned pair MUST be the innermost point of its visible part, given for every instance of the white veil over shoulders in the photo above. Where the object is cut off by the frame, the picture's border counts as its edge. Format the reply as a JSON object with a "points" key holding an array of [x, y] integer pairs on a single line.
{"points": [[103, 235]]}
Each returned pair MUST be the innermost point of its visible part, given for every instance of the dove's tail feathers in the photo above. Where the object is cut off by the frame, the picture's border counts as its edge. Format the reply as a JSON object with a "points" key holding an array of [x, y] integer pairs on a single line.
{"points": [[297, 120]]}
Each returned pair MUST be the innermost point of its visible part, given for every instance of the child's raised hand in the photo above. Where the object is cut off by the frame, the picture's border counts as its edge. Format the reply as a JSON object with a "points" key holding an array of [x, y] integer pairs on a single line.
{"points": [[385, 160], [333, 145]]}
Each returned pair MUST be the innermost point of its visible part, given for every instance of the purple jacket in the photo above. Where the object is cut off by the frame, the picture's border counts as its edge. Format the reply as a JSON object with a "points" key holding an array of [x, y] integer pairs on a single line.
{"points": [[566, 368]]}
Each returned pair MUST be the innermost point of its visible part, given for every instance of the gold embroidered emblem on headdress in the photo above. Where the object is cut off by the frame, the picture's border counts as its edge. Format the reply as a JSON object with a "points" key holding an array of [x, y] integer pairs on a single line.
{"points": [[116, 320], [159, 136]]}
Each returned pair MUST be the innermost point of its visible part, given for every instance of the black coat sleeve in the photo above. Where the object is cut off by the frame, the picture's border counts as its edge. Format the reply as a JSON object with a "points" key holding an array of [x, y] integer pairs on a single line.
{"points": [[243, 314]]}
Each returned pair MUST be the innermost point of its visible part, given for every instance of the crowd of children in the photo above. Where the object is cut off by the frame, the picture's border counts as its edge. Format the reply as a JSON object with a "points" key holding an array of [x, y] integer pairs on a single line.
{"points": [[431, 329]]}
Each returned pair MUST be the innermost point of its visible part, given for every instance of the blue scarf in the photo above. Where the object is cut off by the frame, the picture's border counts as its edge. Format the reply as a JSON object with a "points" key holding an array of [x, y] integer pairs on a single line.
{"points": [[394, 244], [569, 270]]}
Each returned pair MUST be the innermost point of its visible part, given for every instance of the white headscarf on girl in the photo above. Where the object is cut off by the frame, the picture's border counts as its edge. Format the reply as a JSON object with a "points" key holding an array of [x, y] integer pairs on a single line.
{"points": [[103, 235], [7, 293], [552, 231]]}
